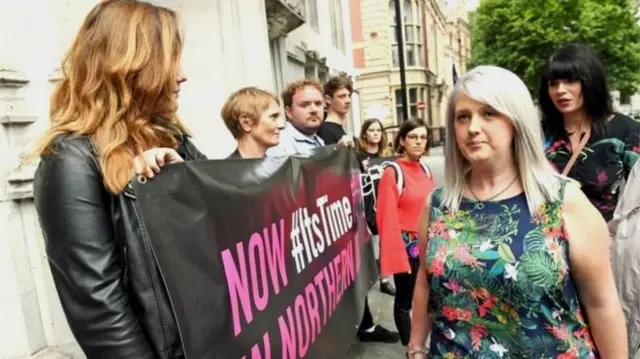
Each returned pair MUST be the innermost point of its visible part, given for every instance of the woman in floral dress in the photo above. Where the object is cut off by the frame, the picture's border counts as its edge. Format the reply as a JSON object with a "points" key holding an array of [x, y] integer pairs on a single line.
{"points": [[576, 105], [512, 252]]}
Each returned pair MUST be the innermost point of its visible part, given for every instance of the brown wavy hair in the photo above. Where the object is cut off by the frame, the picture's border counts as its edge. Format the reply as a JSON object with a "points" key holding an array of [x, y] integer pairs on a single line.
{"points": [[383, 147], [118, 86]]}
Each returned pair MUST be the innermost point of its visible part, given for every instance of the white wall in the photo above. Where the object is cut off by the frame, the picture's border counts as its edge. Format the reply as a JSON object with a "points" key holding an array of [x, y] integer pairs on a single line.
{"points": [[226, 47], [31, 44], [306, 36], [223, 40]]}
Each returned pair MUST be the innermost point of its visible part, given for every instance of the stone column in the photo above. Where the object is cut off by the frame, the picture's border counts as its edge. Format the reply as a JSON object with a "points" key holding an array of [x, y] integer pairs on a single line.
{"points": [[30, 313], [226, 47], [282, 17], [279, 62], [245, 41]]}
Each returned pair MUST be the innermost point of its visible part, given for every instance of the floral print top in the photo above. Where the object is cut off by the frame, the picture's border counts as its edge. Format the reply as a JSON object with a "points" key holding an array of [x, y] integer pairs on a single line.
{"points": [[500, 283], [604, 163]]}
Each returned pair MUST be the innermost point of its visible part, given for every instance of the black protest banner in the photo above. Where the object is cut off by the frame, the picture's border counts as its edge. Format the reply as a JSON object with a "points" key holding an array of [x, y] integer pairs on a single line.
{"points": [[371, 177], [264, 258], [369, 181]]}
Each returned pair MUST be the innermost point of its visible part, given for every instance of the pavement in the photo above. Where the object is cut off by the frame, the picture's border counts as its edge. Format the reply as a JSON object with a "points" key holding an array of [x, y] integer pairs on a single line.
{"points": [[382, 304], [382, 310]]}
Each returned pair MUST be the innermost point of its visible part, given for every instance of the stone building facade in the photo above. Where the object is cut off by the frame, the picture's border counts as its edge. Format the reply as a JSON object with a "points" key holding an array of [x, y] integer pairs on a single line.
{"points": [[436, 38], [228, 44]]}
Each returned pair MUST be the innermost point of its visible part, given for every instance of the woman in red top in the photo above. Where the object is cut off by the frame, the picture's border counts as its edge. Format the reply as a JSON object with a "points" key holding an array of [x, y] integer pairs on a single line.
{"points": [[398, 209]]}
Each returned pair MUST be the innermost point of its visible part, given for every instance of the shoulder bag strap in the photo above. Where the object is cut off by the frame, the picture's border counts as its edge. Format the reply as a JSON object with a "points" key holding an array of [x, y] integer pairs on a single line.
{"points": [[399, 176], [425, 168], [576, 152]]}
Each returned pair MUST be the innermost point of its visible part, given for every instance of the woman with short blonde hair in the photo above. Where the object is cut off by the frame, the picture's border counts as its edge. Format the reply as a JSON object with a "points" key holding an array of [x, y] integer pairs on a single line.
{"points": [[254, 118]]}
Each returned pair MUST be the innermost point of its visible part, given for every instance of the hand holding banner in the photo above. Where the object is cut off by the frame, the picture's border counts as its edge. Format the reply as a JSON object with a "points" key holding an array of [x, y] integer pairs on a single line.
{"points": [[265, 258]]}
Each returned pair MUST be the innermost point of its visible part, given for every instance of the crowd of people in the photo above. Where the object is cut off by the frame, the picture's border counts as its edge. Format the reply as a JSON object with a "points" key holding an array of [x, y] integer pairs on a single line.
{"points": [[507, 258]]}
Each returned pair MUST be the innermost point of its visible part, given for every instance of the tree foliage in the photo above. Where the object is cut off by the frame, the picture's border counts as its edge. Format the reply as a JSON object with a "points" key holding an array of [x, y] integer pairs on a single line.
{"points": [[521, 34]]}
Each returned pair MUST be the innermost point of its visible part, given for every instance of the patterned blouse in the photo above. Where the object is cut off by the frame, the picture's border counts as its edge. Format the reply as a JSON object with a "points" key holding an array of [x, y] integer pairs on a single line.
{"points": [[500, 283], [604, 163]]}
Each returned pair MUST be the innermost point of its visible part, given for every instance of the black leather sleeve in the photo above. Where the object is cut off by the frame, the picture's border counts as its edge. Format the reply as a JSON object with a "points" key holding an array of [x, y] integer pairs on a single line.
{"points": [[83, 254], [193, 151]]}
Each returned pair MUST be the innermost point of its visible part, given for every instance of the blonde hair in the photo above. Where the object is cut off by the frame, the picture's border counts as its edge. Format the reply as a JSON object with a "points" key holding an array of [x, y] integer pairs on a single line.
{"points": [[119, 78], [248, 101], [506, 93]]}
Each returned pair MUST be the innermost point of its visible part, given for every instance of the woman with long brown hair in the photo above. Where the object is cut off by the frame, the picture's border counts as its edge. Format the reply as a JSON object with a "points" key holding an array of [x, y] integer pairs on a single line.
{"points": [[373, 140], [113, 115], [372, 143]]}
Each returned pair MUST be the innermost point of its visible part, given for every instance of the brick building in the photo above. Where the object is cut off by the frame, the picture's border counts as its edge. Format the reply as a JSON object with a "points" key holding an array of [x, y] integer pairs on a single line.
{"points": [[436, 38]]}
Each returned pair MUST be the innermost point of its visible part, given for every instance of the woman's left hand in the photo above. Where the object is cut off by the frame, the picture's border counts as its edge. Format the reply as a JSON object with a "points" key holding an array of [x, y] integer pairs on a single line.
{"points": [[150, 162]]}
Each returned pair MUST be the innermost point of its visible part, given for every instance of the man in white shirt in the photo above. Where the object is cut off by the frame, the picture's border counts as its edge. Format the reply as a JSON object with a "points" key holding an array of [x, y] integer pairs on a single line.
{"points": [[304, 107]]}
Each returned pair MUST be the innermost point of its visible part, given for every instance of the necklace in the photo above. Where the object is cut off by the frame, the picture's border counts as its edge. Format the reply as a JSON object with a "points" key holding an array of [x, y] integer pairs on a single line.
{"points": [[480, 203]]}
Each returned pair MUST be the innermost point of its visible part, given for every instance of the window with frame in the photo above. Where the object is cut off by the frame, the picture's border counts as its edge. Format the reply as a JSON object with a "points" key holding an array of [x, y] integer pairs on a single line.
{"points": [[411, 36], [395, 59], [337, 25], [311, 7], [415, 96]]}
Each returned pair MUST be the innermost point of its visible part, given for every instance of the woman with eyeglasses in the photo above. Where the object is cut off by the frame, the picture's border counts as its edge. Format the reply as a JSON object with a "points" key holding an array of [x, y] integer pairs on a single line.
{"points": [[402, 192]]}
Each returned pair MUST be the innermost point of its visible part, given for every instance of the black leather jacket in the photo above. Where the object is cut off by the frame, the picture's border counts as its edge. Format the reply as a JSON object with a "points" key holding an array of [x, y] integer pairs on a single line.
{"points": [[102, 264]]}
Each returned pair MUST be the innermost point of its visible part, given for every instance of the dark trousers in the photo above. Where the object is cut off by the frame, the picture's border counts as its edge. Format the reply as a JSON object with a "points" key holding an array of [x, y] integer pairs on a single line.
{"points": [[405, 284], [367, 318]]}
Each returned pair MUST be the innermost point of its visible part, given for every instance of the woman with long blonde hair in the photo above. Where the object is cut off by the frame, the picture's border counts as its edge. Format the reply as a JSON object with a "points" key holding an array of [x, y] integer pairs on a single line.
{"points": [[113, 115], [513, 256]]}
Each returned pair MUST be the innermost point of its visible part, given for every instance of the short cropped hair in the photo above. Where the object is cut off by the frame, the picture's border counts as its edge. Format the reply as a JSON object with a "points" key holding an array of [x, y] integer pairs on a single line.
{"points": [[337, 83], [292, 88], [248, 101]]}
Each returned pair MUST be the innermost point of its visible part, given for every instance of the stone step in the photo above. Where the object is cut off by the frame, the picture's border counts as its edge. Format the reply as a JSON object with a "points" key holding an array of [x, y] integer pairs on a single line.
{"points": [[14, 110], [23, 173], [20, 182], [12, 79], [50, 353], [17, 119]]}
